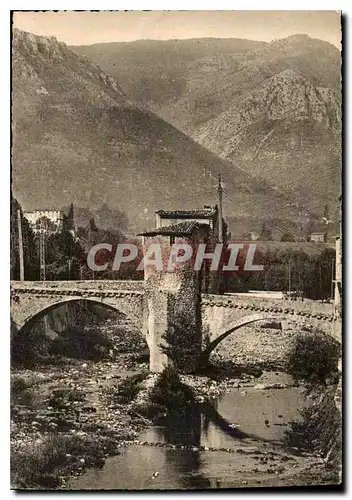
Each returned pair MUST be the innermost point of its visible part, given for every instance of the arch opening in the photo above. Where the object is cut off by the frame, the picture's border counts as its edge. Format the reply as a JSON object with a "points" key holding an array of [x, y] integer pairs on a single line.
{"points": [[204, 358], [84, 329]]}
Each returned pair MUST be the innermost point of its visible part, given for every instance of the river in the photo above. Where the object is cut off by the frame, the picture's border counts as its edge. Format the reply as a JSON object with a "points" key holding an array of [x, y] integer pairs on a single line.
{"points": [[237, 441]]}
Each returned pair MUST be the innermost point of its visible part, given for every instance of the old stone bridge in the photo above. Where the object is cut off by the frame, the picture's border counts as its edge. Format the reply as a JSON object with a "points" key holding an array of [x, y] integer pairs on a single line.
{"points": [[149, 308]]}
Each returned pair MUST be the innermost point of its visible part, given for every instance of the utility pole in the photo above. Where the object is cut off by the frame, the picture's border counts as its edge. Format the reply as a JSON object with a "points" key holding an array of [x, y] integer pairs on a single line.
{"points": [[220, 191], [20, 244], [332, 280], [289, 278], [69, 268], [42, 251]]}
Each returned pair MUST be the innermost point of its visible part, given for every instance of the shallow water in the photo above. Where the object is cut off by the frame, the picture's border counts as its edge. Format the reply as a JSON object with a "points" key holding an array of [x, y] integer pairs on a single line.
{"points": [[249, 422]]}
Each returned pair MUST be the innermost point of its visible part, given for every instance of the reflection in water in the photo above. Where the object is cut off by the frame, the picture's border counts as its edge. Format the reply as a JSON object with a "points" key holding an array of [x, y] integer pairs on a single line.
{"points": [[188, 469], [199, 425], [183, 428], [233, 422]]}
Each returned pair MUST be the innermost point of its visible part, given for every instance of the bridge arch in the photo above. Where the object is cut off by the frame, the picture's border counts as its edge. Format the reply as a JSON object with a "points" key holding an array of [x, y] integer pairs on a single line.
{"points": [[41, 311], [232, 327], [23, 335], [26, 306]]}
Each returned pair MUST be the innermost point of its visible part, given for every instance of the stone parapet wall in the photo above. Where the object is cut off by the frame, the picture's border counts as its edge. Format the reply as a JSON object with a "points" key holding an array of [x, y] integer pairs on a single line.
{"points": [[309, 307], [137, 285]]}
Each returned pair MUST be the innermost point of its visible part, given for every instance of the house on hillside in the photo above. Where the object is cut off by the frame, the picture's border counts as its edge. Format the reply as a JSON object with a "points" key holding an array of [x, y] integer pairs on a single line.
{"points": [[48, 221], [319, 237], [51, 221], [200, 226], [206, 215]]}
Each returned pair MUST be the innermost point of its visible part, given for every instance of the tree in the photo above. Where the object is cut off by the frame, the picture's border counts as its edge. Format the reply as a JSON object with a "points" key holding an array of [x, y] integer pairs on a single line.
{"points": [[45, 224], [30, 254], [324, 264], [313, 357], [90, 236], [108, 218], [69, 222], [309, 274], [266, 233], [287, 237], [64, 256]]}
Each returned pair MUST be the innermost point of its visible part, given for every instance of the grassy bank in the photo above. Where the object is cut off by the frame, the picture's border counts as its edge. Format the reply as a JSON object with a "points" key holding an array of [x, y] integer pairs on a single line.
{"points": [[46, 463]]}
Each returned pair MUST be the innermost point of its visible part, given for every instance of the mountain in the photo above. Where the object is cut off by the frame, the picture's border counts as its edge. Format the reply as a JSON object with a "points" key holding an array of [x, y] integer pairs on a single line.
{"points": [[287, 131], [78, 138], [272, 109]]}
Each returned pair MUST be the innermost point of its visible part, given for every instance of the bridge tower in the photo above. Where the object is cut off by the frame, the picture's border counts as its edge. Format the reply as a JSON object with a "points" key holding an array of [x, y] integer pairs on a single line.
{"points": [[173, 298]]}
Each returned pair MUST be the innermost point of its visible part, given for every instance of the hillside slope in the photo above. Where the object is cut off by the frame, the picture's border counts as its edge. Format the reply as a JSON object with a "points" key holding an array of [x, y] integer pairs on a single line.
{"points": [[273, 109], [78, 138], [287, 131]]}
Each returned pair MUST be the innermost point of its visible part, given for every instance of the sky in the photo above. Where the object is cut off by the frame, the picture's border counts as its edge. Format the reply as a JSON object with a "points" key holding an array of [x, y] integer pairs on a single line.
{"points": [[85, 28]]}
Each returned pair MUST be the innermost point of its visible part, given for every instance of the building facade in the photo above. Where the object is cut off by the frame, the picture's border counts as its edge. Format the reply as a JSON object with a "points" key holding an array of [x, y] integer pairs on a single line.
{"points": [[319, 237], [46, 221], [207, 215], [173, 222]]}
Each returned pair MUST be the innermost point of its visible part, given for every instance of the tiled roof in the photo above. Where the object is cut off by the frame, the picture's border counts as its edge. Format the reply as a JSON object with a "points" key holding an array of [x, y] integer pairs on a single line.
{"points": [[182, 229], [185, 214]]}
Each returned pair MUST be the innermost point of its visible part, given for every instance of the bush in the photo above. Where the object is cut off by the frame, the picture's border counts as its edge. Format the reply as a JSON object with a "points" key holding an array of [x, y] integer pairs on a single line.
{"points": [[314, 357], [128, 388], [19, 384], [169, 392], [21, 391], [60, 398], [42, 465], [318, 429], [180, 345]]}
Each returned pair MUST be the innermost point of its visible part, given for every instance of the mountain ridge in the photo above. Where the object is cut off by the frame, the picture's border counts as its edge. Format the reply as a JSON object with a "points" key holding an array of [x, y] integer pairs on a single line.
{"points": [[197, 85], [78, 138]]}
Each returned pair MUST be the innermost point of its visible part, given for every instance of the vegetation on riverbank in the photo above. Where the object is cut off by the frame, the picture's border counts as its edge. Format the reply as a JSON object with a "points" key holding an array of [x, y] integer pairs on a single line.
{"points": [[318, 430], [61, 423], [314, 358], [127, 389], [167, 395], [43, 465]]}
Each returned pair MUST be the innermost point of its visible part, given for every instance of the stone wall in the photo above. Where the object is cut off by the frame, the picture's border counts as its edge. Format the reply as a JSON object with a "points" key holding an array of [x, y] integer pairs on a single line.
{"points": [[133, 285], [220, 311]]}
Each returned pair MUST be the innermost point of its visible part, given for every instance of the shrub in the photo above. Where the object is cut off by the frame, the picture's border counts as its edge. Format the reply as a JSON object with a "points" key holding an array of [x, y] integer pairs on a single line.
{"points": [[41, 466], [19, 384], [180, 345], [128, 388], [21, 391], [59, 398], [313, 357], [318, 429], [169, 392]]}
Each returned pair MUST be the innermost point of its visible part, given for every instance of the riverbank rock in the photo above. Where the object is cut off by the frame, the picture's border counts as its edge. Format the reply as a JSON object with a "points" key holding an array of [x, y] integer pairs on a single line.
{"points": [[277, 385]]}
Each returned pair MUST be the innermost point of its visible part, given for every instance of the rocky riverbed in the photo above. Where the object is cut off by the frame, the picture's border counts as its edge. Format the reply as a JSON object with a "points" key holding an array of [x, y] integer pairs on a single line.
{"points": [[60, 406], [65, 418]]}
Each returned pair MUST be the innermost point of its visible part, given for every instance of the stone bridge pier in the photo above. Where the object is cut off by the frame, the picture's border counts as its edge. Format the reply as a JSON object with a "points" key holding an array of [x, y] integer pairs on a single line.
{"points": [[172, 302]]}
